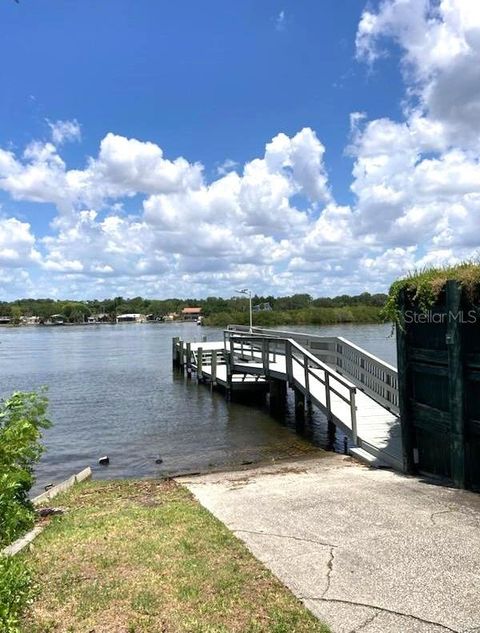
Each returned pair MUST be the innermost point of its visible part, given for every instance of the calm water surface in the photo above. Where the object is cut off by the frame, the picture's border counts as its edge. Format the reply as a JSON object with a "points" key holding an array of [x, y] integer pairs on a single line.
{"points": [[112, 391]]}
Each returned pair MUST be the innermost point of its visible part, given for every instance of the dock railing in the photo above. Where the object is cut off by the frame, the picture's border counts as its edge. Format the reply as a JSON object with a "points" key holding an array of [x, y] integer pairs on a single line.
{"points": [[369, 373], [299, 365]]}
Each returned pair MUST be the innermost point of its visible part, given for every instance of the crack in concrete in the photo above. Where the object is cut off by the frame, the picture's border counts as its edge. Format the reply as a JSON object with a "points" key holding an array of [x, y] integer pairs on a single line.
{"points": [[329, 570], [434, 514], [288, 536], [368, 621], [385, 610], [303, 540]]}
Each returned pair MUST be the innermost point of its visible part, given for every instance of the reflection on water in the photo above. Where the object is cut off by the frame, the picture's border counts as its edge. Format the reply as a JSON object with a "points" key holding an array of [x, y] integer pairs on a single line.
{"points": [[112, 391]]}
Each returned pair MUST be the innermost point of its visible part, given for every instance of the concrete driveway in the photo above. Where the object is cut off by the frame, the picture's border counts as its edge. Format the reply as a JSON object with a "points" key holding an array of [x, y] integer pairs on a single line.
{"points": [[366, 550]]}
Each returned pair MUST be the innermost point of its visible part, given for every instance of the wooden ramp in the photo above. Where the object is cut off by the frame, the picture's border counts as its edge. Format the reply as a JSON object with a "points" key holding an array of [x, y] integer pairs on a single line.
{"points": [[361, 401]]}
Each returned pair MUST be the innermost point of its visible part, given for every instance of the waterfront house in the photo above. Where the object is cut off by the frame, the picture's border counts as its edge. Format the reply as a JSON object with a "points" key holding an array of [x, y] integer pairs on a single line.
{"points": [[191, 314], [57, 319], [262, 307], [5, 320], [131, 318], [30, 320], [99, 318]]}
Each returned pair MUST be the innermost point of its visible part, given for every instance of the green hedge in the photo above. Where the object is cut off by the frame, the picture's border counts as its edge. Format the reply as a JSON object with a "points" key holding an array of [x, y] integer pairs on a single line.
{"points": [[306, 316], [22, 418]]}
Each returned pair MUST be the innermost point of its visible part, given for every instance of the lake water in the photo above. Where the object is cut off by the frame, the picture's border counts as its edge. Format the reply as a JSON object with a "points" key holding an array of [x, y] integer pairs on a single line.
{"points": [[112, 391]]}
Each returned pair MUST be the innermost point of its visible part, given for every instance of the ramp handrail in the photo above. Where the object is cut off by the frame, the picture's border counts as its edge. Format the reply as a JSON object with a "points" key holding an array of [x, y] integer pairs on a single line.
{"points": [[369, 373], [266, 349]]}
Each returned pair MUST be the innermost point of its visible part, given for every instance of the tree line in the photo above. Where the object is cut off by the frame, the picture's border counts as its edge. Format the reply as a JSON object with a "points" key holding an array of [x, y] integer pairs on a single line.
{"points": [[79, 311]]}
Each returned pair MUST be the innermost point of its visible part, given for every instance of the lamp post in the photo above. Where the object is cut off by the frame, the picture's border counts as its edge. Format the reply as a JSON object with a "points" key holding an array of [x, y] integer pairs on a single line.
{"points": [[246, 291]]}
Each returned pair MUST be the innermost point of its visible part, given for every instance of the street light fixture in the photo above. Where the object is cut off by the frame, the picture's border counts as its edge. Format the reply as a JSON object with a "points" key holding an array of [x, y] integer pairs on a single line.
{"points": [[246, 291]]}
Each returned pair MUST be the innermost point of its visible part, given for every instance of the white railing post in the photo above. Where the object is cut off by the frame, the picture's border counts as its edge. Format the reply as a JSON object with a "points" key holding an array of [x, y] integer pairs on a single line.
{"points": [[327, 392], [353, 412], [307, 376], [265, 355], [288, 361]]}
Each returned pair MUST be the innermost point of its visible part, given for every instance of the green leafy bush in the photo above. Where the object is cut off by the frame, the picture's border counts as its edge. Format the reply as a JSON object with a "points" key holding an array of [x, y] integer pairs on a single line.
{"points": [[305, 316], [16, 591], [22, 418]]}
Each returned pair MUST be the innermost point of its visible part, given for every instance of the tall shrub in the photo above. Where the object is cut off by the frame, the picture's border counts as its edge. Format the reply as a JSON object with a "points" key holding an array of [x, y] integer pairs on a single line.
{"points": [[23, 416]]}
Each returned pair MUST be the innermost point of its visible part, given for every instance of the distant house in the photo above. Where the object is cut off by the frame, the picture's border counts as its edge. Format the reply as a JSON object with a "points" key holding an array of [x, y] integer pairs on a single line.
{"points": [[30, 320], [191, 314], [57, 319], [171, 316], [131, 318], [262, 307], [99, 318], [4, 320]]}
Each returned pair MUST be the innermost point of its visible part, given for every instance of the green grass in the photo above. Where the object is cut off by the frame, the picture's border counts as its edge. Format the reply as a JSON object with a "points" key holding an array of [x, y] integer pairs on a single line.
{"points": [[424, 287], [138, 556]]}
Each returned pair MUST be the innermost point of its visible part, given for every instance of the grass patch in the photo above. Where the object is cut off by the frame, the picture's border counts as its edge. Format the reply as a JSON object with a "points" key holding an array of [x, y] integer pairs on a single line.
{"points": [[144, 556]]}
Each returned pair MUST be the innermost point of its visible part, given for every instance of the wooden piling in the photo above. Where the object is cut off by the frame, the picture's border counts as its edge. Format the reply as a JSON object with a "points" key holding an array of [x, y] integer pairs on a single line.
{"points": [[188, 357], [181, 357], [214, 368], [299, 406], [175, 340], [278, 396], [229, 366], [200, 363], [331, 433]]}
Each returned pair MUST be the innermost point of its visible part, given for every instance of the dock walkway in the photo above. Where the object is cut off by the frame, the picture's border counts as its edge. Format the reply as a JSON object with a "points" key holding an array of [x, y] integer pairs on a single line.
{"points": [[354, 389]]}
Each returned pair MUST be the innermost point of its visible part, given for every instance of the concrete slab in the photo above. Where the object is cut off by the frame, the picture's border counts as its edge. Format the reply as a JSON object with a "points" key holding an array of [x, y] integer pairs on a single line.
{"points": [[365, 549]]}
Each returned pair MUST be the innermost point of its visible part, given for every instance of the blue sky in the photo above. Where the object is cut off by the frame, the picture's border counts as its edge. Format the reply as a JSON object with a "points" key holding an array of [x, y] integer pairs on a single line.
{"points": [[208, 83], [203, 80]]}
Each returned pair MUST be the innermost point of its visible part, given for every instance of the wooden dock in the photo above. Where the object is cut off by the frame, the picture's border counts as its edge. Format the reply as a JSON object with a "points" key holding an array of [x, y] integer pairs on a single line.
{"points": [[355, 390]]}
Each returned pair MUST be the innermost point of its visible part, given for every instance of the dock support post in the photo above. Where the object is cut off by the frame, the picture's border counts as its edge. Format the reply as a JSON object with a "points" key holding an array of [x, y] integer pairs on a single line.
{"points": [[308, 408], [181, 357], [229, 365], [278, 396], [188, 360], [331, 433], [213, 369], [299, 406], [175, 340], [199, 363]]}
